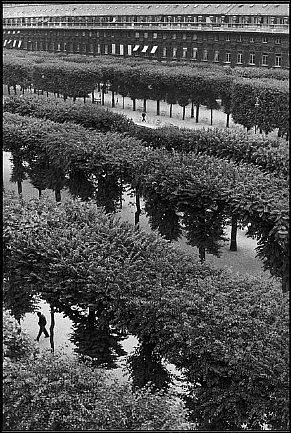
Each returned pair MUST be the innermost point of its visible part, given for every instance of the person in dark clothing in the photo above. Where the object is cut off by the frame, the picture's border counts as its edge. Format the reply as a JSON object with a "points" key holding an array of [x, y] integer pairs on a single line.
{"points": [[42, 328], [143, 115]]}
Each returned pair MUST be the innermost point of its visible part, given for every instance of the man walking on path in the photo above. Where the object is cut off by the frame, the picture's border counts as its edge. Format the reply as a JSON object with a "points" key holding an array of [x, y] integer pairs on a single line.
{"points": [[143, 115], [42, 328]]}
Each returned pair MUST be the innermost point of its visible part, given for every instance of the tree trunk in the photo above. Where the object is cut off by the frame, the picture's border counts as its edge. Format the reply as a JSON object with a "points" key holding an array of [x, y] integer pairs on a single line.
{"points": [[133, 104], [34, 91], [58, 195], [19, 187], [112, 99], [103, 94], [233, 243], [192, 110], [138, 210], [93, 99], [58, 94], [145, 105], [39, 193], [65, 97], [211, 116], [74, 99], [15, 90], [23, 90], [202, 254], [227, 119], [171, 110], [47, 93], [158, 107], [98, 87], [8, 89], [197, 112], [184, 111], [52, 343], [84, 99], [123, 102]]}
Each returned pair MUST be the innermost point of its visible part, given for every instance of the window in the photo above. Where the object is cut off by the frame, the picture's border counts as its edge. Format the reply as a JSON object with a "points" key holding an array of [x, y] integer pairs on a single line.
{"points": [[194, 37], [264, 59], [164, 36], [278, 60], [113, 48], [239, 58], [164, 52], [227, 38], [251, 39], [227, 58], [265, 40], [184, 36], [278, 40], [146, 35], [174, 36], [239, 38], [216, 56], [90, 48], [252, 58], [105, 49], [155, 35], [129, 50], [174, 52], [121, 51], [194, 53], [184, 53], [216, 37], [137, 35], [205, 55], [205, 37]]}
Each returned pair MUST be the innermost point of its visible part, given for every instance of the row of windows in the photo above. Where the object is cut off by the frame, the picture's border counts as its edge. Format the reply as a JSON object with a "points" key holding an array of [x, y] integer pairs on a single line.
{"points": [[173, 52], [196, 19], [194, 36]]}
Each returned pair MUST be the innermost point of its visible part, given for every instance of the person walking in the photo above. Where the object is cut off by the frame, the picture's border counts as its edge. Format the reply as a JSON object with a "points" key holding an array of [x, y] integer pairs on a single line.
{"points": [[143, 115], [42, 328]]}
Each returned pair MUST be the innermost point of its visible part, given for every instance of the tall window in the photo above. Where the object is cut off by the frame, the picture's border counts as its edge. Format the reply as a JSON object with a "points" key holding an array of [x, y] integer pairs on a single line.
{"points": [[184, 36], [227, 38], [194, 36], [239, 58], [251, 39], [113, 48], [164, 52], [174, 52], [184, 55], [105, 49], [216, 56], [265, 40], [239, 38], [155, 35], [252, 59], [216, 37], [174, 36], [194, 53], [205, 55], [227, 58], [98, 49], [137, 35], [264, 59], [146, 35], [278, 60], [278, 40]]}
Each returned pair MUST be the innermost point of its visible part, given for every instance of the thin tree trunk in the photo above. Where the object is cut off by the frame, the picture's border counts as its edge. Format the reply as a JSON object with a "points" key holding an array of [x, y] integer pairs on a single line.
{"points": [[133, 104], [197, 112], [112, 99], [138, 209], [58, 195], [123, 102], [15, 90], [192, 110], [98, 87], [23, 90], [39, 193], [52, 343], [74, 99], [93, 99], [211, 116], [8, 89], [233, 243], [47, 93], [42, 91], [145, 105], [158, 107], [227, 119], [171, 110], [19, 187], [103, 94], [184, 111], [84, 99]]}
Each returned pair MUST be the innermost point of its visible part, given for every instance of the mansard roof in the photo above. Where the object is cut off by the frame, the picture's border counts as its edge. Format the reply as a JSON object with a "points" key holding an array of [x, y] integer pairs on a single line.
{"points": [[150, 9]]}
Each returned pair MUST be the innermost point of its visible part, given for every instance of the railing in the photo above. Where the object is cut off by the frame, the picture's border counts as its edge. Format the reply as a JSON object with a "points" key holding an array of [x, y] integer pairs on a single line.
{"points": [[272, 28]]}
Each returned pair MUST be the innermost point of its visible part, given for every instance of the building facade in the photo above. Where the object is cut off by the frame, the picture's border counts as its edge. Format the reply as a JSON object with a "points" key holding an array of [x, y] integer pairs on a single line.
{"points": [[228, 34]]}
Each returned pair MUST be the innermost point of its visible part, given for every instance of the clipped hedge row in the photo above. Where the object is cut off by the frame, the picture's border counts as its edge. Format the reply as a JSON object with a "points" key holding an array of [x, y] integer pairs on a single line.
{"points": [[227, 333], [53, 150], [182, 85], [272, 155]]}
